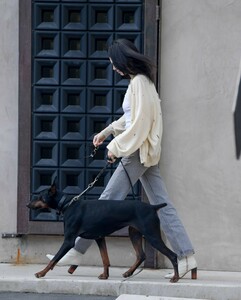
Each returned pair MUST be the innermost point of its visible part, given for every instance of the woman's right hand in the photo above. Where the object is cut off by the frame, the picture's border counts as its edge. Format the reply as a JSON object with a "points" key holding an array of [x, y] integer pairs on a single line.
{"points": [[98, 139]]}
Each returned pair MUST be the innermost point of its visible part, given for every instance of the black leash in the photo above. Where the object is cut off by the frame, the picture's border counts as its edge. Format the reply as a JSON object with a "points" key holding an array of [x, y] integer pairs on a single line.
{"points": [[92, 154], [128, 176], [90, 185]]}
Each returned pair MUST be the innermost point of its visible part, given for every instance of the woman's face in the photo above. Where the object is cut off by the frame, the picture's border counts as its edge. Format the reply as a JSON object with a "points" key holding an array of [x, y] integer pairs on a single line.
{"points": [[115, 69]]}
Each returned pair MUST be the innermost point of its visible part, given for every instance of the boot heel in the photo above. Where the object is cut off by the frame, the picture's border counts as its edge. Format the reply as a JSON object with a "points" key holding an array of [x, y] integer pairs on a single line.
{"points": [[194, 273], [72, 269]]}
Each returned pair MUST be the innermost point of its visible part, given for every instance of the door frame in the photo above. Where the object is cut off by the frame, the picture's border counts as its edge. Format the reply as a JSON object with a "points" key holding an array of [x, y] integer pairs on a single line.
{"points": [[151, 48]]}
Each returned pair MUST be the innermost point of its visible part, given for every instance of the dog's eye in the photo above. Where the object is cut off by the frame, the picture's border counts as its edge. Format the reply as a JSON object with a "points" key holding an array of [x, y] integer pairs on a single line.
{"points": [[52, 191]]}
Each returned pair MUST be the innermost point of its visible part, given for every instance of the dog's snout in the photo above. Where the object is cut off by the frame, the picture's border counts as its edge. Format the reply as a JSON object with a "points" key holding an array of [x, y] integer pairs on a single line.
{"points": [[30, 205], [37, 204]]}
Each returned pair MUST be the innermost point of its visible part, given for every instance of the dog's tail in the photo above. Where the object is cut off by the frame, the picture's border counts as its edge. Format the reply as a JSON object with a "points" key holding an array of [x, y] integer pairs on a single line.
{"points": [[158, 206]]}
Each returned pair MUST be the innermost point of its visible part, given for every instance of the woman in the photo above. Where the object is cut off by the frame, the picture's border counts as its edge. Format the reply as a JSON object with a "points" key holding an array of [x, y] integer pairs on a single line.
{"points": [[137, 139]]}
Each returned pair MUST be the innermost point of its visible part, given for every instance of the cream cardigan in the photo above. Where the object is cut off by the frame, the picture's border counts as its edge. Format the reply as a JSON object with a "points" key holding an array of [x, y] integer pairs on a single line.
{"points": [[145, 131]]}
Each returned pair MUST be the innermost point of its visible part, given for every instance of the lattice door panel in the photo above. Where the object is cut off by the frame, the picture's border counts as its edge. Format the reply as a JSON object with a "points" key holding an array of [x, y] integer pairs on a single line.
{"points": [[75, 92]]}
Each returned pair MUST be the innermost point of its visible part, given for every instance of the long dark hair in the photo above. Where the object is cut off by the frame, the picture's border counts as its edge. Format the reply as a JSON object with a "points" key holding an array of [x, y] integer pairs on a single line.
{"points": [[129, 60]]}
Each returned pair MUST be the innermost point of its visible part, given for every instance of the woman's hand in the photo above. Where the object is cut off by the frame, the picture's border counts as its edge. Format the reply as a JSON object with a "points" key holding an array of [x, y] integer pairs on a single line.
{"points": [[111, 157], [98, 139]]}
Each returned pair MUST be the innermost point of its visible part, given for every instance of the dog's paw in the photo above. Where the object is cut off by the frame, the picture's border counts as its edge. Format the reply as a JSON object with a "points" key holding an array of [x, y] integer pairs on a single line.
{"points": [[103, 276], [127, 274], [174, 279], [39, 275]]}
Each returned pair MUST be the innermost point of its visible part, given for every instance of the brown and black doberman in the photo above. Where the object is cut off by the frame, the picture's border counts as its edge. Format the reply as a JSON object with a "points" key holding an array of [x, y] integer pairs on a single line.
{"points": [[95, 219]]}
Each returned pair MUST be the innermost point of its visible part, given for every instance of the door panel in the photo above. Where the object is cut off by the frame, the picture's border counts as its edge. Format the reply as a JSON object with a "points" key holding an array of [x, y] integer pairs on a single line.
{"points": [[68, 92], [75, 91]]}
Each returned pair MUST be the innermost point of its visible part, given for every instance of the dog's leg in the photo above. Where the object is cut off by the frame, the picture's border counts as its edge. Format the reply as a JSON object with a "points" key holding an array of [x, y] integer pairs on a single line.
{"points": [[67, 245], [173, 258], [156, 241], [50, 266], [136, 239], [105, 259]]}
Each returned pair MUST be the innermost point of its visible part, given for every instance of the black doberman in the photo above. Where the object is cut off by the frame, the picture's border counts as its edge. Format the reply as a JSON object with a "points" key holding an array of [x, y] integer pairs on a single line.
{"points": [[95, 219]]}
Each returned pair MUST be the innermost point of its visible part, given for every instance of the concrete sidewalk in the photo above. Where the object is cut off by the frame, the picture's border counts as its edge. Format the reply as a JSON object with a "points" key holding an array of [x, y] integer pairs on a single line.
{"points": [[209, 285]]}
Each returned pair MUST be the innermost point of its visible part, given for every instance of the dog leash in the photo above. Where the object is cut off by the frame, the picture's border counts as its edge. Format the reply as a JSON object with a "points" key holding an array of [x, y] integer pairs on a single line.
{"points": [[92, 154], [128, 176], [90, 185]]}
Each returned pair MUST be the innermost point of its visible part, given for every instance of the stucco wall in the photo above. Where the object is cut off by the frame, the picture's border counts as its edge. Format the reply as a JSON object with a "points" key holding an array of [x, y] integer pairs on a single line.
{"points": [[200, 56], [8, 121]]}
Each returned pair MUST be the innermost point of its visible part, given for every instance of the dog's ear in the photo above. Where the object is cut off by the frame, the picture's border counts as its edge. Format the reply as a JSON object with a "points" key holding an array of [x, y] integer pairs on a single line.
{"points": [[54, 182]]}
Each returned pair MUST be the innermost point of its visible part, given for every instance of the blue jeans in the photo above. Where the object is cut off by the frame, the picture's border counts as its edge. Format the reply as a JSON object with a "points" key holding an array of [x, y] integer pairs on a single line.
{"points": [[118, 188]]}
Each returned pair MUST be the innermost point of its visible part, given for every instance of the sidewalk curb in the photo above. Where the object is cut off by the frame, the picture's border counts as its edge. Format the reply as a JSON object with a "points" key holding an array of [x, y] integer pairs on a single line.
{"points": [[148, 283]]}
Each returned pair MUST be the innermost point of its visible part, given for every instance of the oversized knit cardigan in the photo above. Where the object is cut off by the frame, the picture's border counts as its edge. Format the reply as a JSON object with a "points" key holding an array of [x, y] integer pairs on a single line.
{"points": [[145, 131]]}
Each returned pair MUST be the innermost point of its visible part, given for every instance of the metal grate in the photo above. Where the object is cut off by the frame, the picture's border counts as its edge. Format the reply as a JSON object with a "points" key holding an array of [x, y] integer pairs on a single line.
{"points": [[74, 90]]}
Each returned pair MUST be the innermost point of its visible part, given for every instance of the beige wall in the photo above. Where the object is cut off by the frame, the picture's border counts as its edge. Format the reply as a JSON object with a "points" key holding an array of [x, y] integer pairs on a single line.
{"points": [[200, 55], [8, 120]]}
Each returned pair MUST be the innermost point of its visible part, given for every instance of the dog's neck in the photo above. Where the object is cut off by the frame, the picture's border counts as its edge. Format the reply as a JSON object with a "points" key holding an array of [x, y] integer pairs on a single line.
{"points": [[63, 204]]}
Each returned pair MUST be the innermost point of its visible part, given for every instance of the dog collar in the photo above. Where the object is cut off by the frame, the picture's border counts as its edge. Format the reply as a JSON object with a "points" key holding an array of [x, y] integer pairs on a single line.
{"points": [[62, 205]]}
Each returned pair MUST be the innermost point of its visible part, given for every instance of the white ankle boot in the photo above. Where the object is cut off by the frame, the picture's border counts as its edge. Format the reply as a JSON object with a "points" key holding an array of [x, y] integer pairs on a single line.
{"points": [[72, 257], [185, 265]]}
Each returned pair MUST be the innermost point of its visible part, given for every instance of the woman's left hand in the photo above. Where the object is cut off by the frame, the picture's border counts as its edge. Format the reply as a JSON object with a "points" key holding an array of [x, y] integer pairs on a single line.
{"points": [[111, 157]]}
